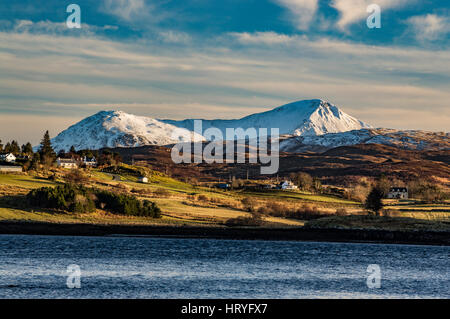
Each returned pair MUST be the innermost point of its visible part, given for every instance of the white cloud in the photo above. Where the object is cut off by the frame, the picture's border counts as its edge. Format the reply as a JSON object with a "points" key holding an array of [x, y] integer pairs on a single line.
{"points": [[262, 38], [303, 11], [352, 11], [125, 9], [174, 37], [57, 28], [429, 27], [76, 76]]}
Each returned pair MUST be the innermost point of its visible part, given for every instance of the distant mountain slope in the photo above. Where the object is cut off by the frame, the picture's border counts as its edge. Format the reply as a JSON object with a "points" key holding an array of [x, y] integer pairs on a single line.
{"points": [[411, 140], [118, 129], [302, 118]]}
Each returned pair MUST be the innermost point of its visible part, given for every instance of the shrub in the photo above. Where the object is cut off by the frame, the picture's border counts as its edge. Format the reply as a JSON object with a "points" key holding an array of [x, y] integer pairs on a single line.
{"points": [[245, 221], [249, 204], [202, 198], [76, 177], [66, 197], [127, 205], [341, 212], [161, 192], [79, 199]]}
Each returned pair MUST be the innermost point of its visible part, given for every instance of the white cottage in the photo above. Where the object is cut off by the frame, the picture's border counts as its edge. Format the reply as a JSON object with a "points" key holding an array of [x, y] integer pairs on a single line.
{"points": [[66, 162], [8, 157], [287, 185], [143, 179], [398, 193]]}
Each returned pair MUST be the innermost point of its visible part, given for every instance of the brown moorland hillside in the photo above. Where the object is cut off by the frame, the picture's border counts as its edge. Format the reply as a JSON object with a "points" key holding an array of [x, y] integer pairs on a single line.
{"points": [[334, 165]]}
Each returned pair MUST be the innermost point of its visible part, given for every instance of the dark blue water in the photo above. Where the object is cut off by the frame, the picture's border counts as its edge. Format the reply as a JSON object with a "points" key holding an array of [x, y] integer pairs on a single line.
{"points": [[129, 267]]}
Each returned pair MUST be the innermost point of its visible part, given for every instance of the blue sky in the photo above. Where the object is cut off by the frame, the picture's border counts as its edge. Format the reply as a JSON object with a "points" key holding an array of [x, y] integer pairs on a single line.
{"points": [[222, 59]]}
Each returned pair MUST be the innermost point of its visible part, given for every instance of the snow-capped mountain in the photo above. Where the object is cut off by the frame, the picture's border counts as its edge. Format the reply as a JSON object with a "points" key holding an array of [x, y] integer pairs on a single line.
{"points": [[302, 118], [119, 129], [310, 125]]}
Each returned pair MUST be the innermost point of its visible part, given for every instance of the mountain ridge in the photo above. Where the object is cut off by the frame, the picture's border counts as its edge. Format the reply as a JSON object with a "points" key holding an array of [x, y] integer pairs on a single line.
{"points": [[308, 125], [120, 129]]}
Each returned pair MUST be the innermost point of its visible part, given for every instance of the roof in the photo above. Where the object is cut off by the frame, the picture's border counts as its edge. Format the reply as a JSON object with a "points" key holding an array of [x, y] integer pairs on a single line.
{"points": [[399, 189], [67, 160]]}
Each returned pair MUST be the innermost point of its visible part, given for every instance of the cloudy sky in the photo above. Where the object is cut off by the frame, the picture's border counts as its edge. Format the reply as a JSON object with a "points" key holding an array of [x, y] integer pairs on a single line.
{"points": [[221, 59]]}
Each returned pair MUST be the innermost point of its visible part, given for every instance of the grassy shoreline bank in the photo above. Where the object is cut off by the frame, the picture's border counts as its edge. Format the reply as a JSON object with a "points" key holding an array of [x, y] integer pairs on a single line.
{"points": [[235, 233]]}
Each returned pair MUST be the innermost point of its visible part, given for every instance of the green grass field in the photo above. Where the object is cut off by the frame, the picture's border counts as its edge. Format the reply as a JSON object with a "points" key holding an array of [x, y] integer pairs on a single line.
{"points": [[178, 207]]}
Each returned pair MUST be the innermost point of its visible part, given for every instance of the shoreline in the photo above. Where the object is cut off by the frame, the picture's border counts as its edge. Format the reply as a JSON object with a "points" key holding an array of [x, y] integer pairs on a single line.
{"points": [[229, 233]]}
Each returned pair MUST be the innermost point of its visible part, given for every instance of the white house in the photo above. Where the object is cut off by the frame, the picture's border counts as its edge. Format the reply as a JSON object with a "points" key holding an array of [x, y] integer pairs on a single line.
{"points": [[143, 179], [66, 162], [398, 193], [90, 162], [8, 157], [287, 185]]}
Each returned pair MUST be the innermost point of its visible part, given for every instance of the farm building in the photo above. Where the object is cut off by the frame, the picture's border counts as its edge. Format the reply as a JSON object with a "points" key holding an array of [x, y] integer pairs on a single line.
{"points": [[8, 157], [10, 169], [287, 185], [143, 179], [398, 193], [67, 163], [90, 162]]}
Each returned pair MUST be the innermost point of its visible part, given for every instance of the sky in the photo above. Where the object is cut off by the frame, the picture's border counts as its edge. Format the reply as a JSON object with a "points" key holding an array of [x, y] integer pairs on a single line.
{"points": [[221, 59]]}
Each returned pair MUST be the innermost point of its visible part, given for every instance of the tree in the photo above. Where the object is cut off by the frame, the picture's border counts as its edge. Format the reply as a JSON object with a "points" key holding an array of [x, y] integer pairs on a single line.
{"points": [[384, 185], [304, 181], [27, 149], [1, 146], [374, 200], [14, 148], [72, 149], [75, 177], [46, 151], [317, 184], [35, 161]]}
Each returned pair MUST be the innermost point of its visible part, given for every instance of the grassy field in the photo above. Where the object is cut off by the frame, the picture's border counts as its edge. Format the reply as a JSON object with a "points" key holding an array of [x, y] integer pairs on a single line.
{"points": [[180, 204]]}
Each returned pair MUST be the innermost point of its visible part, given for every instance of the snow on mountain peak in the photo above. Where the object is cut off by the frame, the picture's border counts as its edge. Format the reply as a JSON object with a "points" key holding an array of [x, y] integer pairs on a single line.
{"points": [[307, 117], [120, 129]]}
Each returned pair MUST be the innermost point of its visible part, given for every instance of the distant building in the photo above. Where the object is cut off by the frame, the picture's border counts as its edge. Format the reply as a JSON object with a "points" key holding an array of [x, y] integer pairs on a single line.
{"points": [[287, 185], [398, 193], [11, 169], [90, 162], [143, 179], [66, 162], [8, 157]]}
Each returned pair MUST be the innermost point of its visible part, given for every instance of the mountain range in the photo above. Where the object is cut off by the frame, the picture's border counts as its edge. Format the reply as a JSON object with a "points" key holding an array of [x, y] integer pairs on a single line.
{"points": [[304, 125]]}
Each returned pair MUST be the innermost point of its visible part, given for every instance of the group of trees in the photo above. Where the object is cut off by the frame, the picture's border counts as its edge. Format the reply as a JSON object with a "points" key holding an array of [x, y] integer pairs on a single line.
{"points": [[13, 147], [79, 199], [46, 155], [306, 182]]}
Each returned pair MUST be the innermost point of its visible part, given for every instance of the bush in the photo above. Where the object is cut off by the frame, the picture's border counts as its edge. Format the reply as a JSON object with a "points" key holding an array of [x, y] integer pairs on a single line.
{"points": [[127, 205], [245, 221], [76, 177], [249, 204], [202, 198], [67, 197], [79, 199], [161, 192], [341, 212]]}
